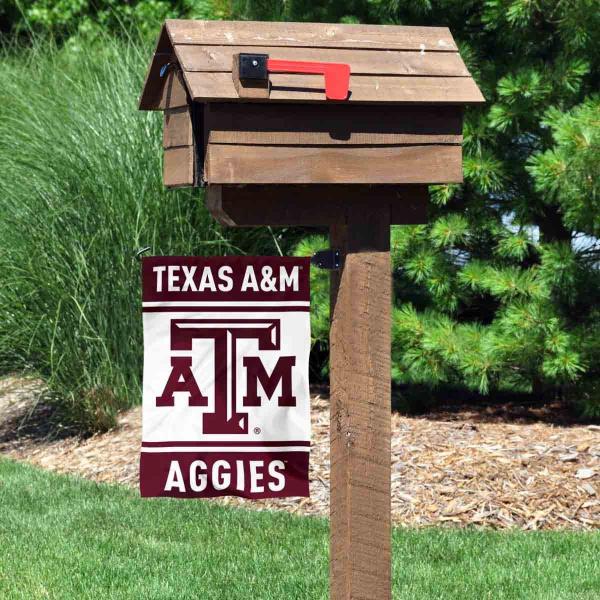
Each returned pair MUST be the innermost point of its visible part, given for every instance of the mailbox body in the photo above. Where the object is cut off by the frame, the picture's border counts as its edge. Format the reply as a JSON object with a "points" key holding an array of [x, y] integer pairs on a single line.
{"points": [[401, 123]]}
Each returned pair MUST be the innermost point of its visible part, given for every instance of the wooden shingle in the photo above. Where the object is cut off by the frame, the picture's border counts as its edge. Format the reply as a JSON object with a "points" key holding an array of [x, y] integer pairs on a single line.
{"points": [[389, 63]]}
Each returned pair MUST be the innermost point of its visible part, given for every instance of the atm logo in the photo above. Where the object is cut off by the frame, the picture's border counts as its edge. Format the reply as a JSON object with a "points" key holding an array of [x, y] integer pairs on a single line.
{"points": [[227, 417]]}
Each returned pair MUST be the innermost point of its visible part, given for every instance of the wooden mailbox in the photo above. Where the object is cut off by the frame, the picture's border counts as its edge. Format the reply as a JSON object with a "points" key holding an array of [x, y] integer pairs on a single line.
{"points": [[265, 115]]}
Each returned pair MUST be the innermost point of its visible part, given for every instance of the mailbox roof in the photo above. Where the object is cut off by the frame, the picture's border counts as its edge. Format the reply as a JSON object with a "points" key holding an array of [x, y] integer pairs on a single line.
{"points": [[389, 63]]}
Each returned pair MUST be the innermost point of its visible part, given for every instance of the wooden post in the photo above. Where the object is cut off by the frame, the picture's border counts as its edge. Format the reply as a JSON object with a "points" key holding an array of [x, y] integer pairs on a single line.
{"points": [[360, 561]]}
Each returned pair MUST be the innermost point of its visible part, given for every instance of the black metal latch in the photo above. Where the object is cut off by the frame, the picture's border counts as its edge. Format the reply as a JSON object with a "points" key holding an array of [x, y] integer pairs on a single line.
{"points": [[326, 259], [253, 66]]}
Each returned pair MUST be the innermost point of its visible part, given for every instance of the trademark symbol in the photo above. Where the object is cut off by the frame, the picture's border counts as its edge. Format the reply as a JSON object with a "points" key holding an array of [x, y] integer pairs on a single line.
{"points": [[257, 430]]}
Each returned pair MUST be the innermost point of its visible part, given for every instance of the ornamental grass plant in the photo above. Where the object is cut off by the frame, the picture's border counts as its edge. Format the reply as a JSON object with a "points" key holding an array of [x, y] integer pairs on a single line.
{"points": [[80, 195]]}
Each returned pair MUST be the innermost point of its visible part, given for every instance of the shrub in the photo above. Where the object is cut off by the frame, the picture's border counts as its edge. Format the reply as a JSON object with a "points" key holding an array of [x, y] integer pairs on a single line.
{"points": [[80, 193]]}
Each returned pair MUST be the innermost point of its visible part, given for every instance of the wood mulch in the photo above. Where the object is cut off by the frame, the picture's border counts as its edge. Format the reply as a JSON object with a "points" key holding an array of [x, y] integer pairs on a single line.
{"points": [[503, 467]]}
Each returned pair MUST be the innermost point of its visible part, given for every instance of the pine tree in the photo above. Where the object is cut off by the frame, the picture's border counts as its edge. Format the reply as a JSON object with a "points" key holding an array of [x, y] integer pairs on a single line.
{"points": [[500, 291]]}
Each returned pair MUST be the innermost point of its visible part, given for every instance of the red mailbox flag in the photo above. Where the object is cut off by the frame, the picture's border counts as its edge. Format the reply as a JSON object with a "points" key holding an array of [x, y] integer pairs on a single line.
{"points": [[226, 406], [337, 75]]}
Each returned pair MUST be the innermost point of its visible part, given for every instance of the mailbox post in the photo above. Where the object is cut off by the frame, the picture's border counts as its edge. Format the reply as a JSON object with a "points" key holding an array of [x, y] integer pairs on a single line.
{"points": [[342, 126]]}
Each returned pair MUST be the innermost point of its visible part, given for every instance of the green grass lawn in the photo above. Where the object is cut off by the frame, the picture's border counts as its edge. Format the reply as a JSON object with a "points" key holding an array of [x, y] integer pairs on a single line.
{"points": [[63, 537]]}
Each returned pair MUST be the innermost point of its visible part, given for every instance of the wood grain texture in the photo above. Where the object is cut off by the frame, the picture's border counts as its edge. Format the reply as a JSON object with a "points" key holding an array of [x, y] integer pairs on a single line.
{"points": [[287, 87], [324, 138], [392, 64], [313, 205], [324, 124], [384, 62], [319, 35], [227, 163], [152, 91], [178, 167], [177, 127], [360, 417], [173, 93]]}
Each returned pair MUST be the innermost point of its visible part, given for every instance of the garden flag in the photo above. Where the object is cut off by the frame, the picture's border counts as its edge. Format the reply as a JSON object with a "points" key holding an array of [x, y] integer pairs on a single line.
{"points": [[226, 407]]}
